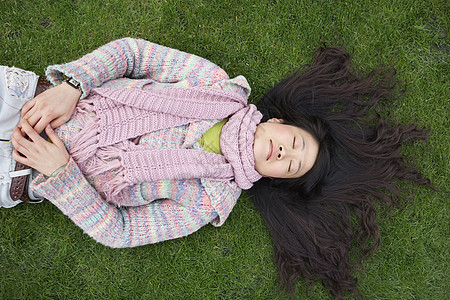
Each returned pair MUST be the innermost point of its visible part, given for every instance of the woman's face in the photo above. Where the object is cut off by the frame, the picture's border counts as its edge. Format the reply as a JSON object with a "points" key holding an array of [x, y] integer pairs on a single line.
{"points": [[283, 151]]}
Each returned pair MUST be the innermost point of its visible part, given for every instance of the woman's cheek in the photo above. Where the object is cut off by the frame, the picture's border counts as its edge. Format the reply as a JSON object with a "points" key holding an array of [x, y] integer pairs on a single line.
{"points": [[279, 174], [276, 170]]}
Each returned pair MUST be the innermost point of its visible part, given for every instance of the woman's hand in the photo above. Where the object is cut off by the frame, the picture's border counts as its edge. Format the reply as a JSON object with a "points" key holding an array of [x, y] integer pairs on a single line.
{"points": [[36, 152], [54, 106]]}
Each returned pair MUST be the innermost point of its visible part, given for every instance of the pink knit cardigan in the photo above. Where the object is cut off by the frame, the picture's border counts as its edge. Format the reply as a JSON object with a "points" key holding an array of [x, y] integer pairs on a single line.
{"points": [[158, 210]]}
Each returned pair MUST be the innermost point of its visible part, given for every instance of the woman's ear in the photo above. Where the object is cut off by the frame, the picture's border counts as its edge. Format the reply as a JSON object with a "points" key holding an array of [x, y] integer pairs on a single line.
{"points": [[275, 120]]}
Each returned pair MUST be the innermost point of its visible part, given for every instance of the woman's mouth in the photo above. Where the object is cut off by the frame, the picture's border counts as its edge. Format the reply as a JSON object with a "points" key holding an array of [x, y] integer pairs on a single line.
{"points": [[269, 155]]}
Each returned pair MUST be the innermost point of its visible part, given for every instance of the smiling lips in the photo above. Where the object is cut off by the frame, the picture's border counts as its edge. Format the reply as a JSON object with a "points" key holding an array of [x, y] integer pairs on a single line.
{"points": [[269, 155]]}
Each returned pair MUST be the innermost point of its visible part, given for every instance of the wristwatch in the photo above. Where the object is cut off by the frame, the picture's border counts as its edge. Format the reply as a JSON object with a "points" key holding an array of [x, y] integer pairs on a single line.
{"points": [[73, 83]]}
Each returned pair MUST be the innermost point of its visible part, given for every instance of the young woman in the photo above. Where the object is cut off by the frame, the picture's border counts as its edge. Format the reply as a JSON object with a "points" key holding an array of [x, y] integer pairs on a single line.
{"points": [[168, 142]]}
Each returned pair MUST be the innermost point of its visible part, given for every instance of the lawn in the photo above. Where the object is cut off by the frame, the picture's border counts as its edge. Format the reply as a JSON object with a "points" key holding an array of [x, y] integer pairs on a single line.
{"points": [[43, 255]]}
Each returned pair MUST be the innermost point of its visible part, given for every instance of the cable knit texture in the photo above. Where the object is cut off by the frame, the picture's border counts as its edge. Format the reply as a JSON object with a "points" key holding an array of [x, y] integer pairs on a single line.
{"points": [[126, 114], [152, 211], [236, 143]]}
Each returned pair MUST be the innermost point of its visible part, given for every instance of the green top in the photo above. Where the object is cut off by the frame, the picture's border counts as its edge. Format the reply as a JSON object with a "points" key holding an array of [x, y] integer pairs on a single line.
{"points": [[210, 139]]}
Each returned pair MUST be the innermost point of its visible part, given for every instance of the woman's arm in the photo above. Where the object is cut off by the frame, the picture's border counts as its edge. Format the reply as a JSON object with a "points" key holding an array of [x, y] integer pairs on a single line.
{"points": [[116, 227], [119, 227], [134, 58]]}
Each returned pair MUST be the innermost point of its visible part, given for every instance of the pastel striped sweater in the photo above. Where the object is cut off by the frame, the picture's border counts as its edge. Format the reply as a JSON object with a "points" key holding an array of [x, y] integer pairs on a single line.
{"points": [[152, 211]]}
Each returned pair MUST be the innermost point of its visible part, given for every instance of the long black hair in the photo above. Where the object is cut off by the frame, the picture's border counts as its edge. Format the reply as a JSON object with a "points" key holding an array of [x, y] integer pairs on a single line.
{"points": [[359, 163]]}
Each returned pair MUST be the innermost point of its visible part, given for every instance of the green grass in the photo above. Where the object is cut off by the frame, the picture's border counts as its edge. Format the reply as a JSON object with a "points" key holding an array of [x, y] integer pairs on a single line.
{"points": [[43, 255]]}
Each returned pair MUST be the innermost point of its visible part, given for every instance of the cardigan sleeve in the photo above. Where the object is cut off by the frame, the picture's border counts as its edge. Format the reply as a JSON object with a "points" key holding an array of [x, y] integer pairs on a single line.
{"points": [[137, 59], [113, 226]]}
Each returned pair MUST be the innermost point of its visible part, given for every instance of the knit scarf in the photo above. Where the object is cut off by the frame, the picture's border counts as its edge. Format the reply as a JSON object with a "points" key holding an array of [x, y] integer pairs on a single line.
{"points": [[105, 142]]}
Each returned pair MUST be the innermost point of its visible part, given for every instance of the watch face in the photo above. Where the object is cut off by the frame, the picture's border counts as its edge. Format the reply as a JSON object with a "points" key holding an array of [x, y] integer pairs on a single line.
{"points": [[73, 83]]}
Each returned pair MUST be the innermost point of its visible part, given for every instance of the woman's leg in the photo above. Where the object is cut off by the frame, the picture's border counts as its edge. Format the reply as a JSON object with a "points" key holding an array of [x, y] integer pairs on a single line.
{"points": [[16, 88]]}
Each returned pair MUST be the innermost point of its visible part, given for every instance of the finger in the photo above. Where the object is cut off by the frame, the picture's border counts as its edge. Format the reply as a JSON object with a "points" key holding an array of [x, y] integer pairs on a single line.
{"points": [[17, 156], [22, 132], [32, 134], [20, 158], [32, 111], [22, 145], [53, 136], [18, 131], [41, 124], [17, 137], [58, 122], [29, 105], [33, 118], [21, 150]]}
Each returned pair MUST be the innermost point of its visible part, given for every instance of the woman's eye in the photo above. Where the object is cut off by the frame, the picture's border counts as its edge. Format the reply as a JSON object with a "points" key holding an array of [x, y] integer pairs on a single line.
{"points": [[293, 144], [290, 164]]}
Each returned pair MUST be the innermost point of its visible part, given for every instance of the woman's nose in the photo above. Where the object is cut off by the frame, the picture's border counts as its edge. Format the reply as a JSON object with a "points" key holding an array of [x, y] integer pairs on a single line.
{"points": [[281, 152]]}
